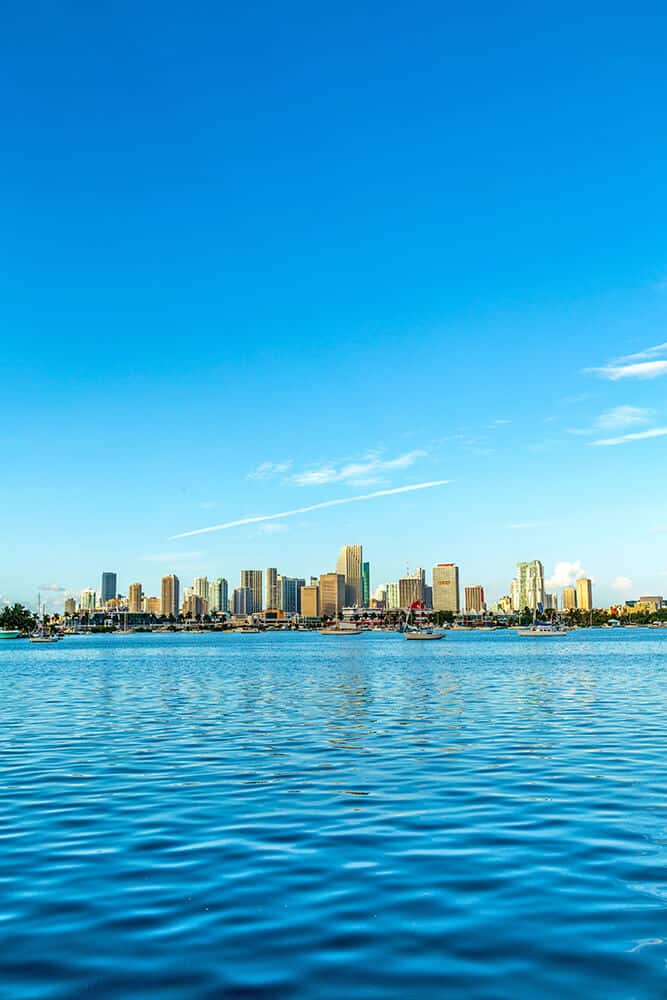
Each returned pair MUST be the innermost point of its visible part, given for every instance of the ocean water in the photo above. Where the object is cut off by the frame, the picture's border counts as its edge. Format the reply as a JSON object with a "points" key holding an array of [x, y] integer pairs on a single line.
{"points": [[299, 816]]}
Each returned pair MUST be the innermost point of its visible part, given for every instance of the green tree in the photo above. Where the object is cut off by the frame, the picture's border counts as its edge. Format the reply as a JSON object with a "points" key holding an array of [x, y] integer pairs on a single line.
{"points": [[18, 617]]}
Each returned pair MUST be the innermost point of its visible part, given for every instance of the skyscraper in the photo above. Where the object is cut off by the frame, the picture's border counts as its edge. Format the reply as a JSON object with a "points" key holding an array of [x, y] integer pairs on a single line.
{"points": [[88, 600], [170, 601], [310, 601], [530, 579], [272, 593], [411, 588], [332, 594], [569, 599], [392, 596], [242, 601], [252, 579], [289, 594], [200, 587], [446, 595], [134, 597], [366, 584], [475, 600], [585, 593], [109, 587], [349, 565], [217, 595]]}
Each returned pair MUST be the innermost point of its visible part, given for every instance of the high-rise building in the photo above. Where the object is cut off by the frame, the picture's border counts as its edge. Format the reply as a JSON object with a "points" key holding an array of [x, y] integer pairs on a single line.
{"points": [[151, 605], [349, 564], [569, 599], [332, 594], [446, 588], [200, 587], [505, 604], [194, 606], [217, 595], [585, 593], [530, 578], [272, 593], [515, 596], [551, 602], [109, 587], [252, 579], [289, 594], [88, 600], [310, 601], [170, 601], [475, 603], [134, 598], [242, 601], [366, 584], [70, 606], [411, 588], [392, 597]]}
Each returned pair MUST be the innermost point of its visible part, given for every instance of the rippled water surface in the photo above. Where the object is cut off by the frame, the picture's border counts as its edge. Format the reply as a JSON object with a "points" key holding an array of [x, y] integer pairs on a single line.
{"points": [[302, 816]]}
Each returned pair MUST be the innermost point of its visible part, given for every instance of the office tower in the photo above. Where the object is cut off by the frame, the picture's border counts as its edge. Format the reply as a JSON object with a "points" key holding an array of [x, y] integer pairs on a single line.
{"points": [[381, 592], [194, 606], [252, 579], [585, 593], [411, 588], [289, 594], [551, 602], [88, 600], [428, 596], [170, 602], [332, 594], [310, 601], [392, 597], [152, 605], [530, 579], [569, 599], [515, 596], [475, 600], [134, 598], [272, 593], [70, 606], [200, 587], [349, 565], [109, 587], [314, 581], [242, 601], [505, 604], [654, 602], [446, 588], [366, 584], [217, 595]]}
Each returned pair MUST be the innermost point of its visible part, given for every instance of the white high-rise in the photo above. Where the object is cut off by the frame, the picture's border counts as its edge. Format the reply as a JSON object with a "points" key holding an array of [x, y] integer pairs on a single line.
{"points": [[350, 565], [528, 586]]}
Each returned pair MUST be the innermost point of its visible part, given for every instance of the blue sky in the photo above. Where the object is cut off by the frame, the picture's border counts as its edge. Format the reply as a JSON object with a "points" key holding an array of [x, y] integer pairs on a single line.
{"points": [[353, 248]]}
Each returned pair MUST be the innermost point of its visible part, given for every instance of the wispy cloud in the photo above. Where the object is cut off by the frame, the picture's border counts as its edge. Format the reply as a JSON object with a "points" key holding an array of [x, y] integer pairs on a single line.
{"points": [[171, 557], [362, 473], [653, 432], [55, 588], [622, 583], [639, 369], [623, 416], [565, 574], [650, 352], [315, 506], [269, 470]]}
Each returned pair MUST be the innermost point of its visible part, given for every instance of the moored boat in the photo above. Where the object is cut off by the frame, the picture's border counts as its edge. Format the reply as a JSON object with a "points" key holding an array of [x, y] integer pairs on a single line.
{"points": [[10, 633]]}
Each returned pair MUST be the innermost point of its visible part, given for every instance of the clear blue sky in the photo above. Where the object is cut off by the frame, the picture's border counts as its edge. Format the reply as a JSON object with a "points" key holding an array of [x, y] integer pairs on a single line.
{"points": [[324, 237]]}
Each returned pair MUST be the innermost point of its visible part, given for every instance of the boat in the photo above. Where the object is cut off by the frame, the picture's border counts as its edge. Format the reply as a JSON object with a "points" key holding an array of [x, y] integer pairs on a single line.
{"points": [[536, 631], [41, 633], [340, 630], [424, 633], [10, 633]]}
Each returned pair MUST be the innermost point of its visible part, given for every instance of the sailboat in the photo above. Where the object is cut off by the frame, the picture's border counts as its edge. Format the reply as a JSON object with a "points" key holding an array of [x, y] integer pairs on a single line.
{"points": [[540, 630], [421, 632], [41, 634]]}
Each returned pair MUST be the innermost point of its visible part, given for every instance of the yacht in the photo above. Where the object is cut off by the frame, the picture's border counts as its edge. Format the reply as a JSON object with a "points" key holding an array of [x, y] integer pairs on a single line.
{"points": [[10, 633]]}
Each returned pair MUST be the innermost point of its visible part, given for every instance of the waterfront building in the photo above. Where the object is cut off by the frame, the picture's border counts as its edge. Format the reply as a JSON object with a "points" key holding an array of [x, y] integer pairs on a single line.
{"points": [[289, 594], [530, 580], [109, 587], [88, 600], [170, 601], [366, 584], [411, 588], [70, 606], [332, 594], [272, 591], [505, 604], [474, 597], [218, 595], [310, 601], [152, 606], [514, 595], [252, 579], [350, 566], [392, 599], [585, 593], [551, 602], [569, 599], [194, 606], [446, 595], [134, 597], [200, 587], [381, 593], [242, 603], [652, 603]]}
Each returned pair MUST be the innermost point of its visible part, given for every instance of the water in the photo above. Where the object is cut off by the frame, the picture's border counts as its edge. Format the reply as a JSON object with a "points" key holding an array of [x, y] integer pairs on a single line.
{"points": [[298, 816]]}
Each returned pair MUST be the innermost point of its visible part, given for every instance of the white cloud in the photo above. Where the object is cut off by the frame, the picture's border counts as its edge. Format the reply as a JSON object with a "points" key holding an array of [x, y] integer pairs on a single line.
{"points": [[56, 588], [315, 506], [637, 436], [268, 470], [171, 557], [640, 369], [623, 416], [622, 583], [565, 574], [362, 473], [650, 352]]}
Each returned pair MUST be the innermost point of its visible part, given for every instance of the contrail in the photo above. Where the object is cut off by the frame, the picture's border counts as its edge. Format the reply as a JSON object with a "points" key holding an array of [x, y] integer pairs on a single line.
{"points": [[314, 506]]}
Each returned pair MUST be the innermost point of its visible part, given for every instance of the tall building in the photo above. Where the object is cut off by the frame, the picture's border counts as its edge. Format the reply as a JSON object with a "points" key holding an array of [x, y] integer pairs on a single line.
{"points": [[475, 600], [109, 587], [170, 601], [151, 605], [194, 606], [515, 596], [88, 600], [272, 593], [446, 588], [70, 606], [134, 598], [217, 595], [585, 593], [392, 597], [366, 584], [349, 564], [310, 601], [411, 588], [551, 602], [530, 580], [289, 594], [569, 599], [200, 587], [242, 601], [252, 579], [332, 594]]}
